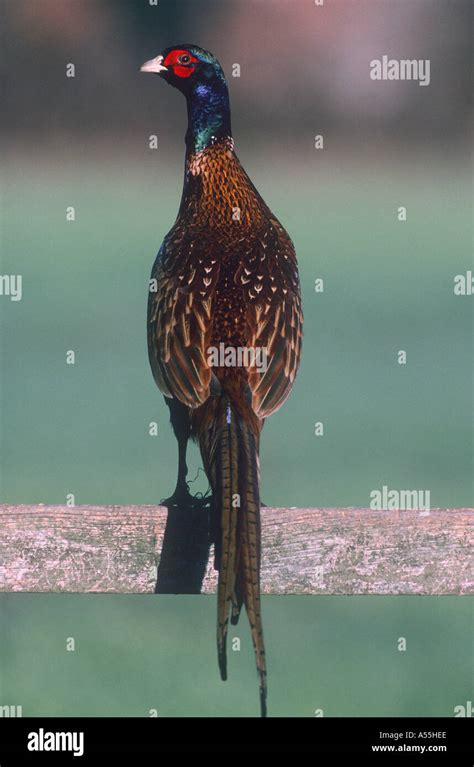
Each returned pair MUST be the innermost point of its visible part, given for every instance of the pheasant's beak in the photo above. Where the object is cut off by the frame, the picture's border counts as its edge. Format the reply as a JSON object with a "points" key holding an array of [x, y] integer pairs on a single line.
{"points": [[154, 65]]}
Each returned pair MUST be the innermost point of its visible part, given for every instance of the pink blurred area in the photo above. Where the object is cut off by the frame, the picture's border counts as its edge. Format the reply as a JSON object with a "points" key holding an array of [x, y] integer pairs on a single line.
{"points": [[299, 60]]}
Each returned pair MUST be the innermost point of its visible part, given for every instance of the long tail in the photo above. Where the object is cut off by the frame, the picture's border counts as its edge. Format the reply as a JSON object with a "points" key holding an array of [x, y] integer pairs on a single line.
{"points": [[229, 447]]}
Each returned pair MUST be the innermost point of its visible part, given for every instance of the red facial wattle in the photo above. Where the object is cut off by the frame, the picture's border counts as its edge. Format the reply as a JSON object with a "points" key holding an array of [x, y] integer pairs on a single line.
{"points": [[173, 60]]}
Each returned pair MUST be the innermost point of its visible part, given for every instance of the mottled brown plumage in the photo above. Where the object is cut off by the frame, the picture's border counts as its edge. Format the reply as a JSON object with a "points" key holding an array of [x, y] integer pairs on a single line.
{"points": [[226, 274]]}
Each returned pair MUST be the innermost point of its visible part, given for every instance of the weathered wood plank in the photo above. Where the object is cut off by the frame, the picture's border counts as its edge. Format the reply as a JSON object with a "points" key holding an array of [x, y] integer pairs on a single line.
{"points": [[305, 551]]}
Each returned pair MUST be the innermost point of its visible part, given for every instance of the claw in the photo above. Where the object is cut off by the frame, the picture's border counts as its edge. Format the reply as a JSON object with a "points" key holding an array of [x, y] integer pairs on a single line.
{"points": [[183, 498]]}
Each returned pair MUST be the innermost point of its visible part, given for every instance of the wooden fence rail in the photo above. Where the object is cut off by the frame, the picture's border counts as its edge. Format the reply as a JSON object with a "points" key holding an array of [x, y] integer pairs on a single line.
{"points": [[124, 549]]}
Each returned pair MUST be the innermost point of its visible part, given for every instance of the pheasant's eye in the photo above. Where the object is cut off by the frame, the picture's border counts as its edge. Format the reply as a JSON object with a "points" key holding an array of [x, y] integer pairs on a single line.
{"points": [[181, 62]]}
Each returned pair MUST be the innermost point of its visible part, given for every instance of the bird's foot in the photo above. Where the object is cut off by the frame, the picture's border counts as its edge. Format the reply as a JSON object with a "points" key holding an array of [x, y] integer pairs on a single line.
{"points": [[182, 498]]}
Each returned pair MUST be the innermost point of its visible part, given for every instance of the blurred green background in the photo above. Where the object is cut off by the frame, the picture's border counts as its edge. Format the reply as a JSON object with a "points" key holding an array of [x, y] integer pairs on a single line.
{"points": [[388, 285], [136, 653]]}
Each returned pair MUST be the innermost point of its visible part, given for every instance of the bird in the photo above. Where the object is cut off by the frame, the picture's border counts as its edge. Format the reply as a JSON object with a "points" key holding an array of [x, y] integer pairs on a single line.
{"points": [[224, 329]]}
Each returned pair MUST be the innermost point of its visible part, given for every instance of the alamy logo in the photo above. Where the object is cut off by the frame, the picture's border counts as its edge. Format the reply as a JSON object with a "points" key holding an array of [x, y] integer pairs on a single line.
{"points": [[56, 741], [400, 500], [13, 711], [466, 710], [238, 356], [400, 69], [11, 285]]}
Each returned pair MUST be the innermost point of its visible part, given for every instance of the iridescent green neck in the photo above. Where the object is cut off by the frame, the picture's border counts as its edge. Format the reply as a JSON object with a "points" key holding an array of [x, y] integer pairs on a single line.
{"points": [[208, 115]]}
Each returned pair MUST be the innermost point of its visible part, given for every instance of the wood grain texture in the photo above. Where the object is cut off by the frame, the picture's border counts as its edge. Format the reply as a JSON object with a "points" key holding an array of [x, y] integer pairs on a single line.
{"points": [[305, 551]]}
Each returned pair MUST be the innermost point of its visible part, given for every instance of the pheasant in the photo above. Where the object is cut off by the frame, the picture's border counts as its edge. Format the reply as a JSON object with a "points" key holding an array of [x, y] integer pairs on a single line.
{"points": [[224, 332]]}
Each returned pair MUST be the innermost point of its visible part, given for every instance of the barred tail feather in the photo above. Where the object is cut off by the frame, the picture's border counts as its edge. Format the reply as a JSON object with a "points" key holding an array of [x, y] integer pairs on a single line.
{"points": [[230, 454]]}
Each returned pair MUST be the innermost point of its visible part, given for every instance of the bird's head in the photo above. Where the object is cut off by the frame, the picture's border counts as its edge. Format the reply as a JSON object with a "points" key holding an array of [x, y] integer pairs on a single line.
{"points": [[199, 76], [186, 67]]}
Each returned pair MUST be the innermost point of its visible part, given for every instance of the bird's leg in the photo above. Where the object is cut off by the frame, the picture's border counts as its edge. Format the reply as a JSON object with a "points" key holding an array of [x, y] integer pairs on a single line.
{"points": [[181, 484], [181, 496]]}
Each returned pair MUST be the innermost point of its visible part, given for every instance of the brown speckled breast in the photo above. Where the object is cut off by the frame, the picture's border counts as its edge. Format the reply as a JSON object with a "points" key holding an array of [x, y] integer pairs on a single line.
{"points": [[227, 274]]}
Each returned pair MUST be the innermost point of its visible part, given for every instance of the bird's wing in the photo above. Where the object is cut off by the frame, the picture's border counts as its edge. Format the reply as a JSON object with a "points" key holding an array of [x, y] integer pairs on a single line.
{"points": [[269, 275], [180, 316]]}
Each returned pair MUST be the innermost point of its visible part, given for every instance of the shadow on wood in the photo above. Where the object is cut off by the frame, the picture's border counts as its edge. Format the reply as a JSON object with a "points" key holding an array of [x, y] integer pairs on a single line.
{"points": [[185, 551]]}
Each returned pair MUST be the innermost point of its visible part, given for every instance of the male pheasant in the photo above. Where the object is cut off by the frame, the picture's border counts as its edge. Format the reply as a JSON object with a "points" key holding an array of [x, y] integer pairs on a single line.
{"points": [[225, 279]]}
